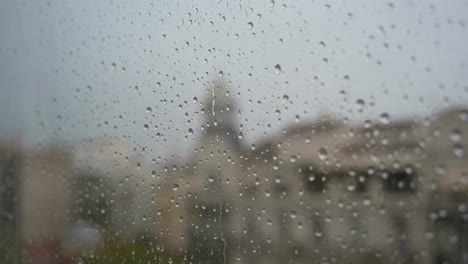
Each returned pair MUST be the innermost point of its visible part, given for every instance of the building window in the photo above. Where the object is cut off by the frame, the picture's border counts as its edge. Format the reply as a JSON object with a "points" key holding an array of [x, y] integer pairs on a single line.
{"points": [[399, 181], [318, 227], [357, 181], [315, 180]]}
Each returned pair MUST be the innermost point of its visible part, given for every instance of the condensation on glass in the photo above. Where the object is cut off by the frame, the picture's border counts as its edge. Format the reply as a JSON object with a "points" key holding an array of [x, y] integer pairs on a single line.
{"points": [[233, 132]]}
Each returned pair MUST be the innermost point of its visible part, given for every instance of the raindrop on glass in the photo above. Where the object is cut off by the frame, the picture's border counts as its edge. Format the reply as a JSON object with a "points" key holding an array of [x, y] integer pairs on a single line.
{"points": [[322, 153], [277, 69]]}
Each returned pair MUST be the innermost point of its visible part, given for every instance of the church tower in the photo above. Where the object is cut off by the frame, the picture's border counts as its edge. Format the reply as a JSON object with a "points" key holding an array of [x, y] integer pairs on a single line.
{"points": [[220, 112]]}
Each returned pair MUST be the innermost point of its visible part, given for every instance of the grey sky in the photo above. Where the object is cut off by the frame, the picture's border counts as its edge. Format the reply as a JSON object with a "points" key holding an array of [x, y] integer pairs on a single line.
{"points": [[400, 57]]}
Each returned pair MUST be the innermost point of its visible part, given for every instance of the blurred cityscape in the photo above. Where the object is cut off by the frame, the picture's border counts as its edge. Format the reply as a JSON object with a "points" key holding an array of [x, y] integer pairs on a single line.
{"points": [[327, 191]]}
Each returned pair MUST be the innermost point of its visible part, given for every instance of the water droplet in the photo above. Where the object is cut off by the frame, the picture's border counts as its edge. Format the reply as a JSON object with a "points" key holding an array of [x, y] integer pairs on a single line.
{"points": [[285, 98], [384, 118], [366, 202], [148, 109], [175, 187], [257, 181], [300, 225], [293, 158], [360, 102], [458, 151], [440, 170], [277, 179], [249, 25], [277, 69], [463, 115], [322, 153], [293, 214], [456, 135], [190, 131]]}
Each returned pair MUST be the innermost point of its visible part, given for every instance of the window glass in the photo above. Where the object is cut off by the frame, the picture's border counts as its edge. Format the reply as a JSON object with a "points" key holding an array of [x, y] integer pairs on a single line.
{"points": [[266, 131]]}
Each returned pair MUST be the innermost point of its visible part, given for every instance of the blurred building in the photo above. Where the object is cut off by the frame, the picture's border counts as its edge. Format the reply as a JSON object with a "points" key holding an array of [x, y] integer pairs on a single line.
{"points": [[111, 189], [447, 203], [43, 204], [325, 191], [10, 162], [69, 197], [382, 191]]}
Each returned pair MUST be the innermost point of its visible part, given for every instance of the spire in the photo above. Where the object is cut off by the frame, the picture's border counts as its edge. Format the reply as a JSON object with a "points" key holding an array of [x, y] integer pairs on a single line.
{"points": [[220, 110], [219, 106]]}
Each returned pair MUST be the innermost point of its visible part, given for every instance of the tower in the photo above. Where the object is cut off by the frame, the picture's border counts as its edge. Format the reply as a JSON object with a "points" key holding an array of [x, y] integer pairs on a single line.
{"points": [[220, 113]]}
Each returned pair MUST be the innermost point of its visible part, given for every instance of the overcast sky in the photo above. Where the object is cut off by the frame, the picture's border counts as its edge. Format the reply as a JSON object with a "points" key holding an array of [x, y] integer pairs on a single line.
{"points": [[76, 69]]}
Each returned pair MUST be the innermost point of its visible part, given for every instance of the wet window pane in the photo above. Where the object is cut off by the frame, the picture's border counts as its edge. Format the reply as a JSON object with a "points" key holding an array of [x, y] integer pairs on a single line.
{"points": [[233, 132]]}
